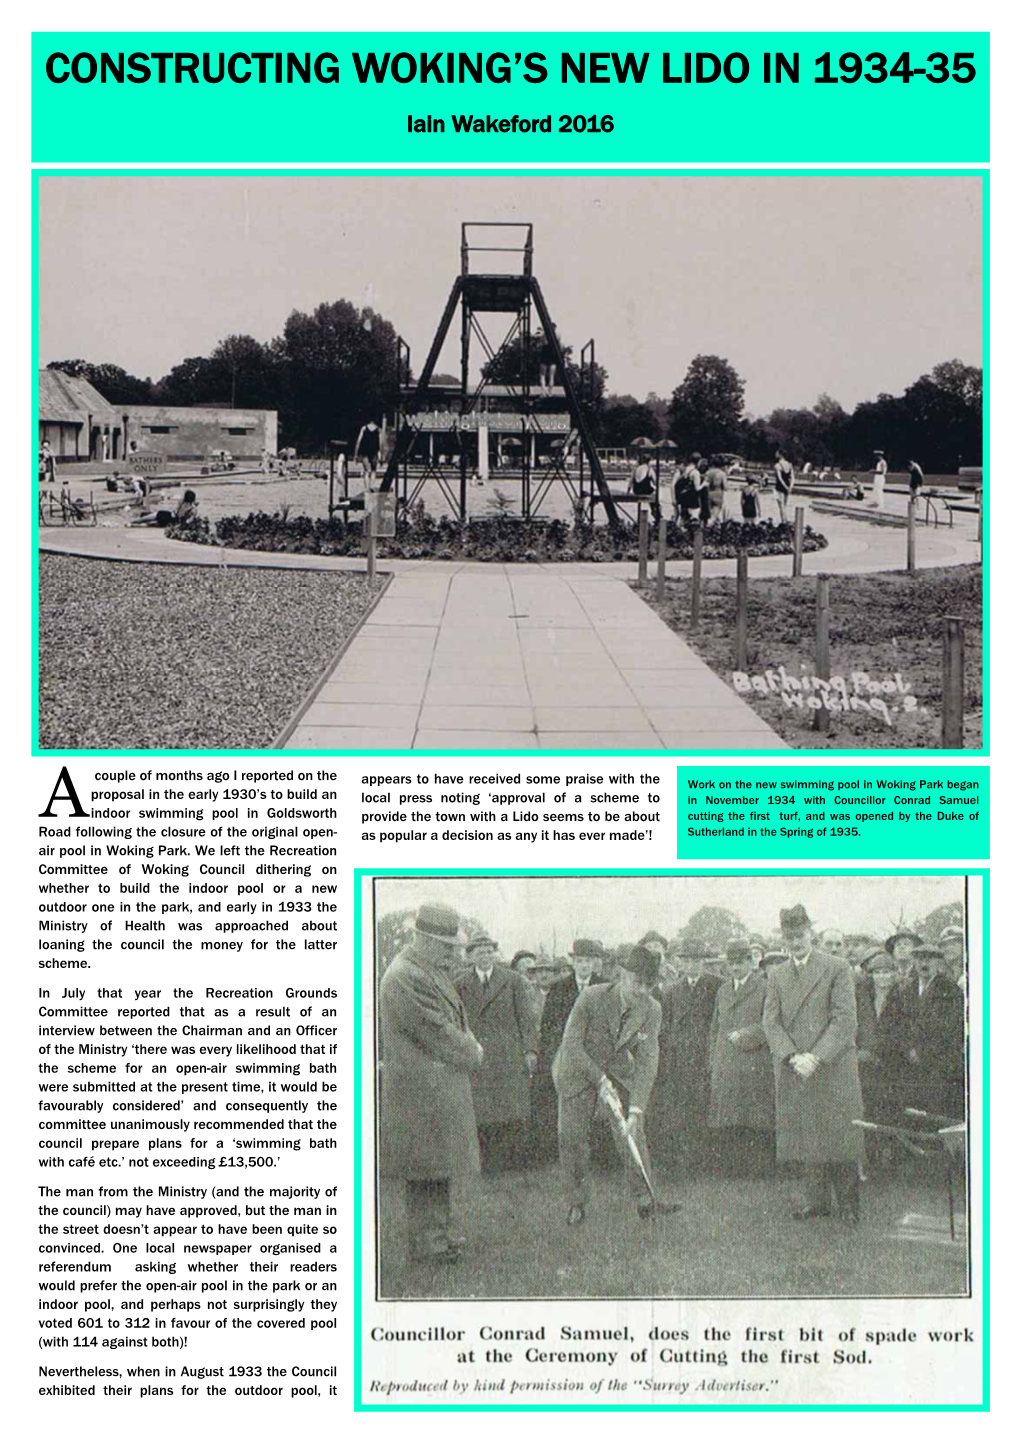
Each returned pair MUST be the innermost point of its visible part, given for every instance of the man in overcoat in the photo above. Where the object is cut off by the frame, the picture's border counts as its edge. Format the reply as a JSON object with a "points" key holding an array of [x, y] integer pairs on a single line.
{"points": [[501, 1016], [678, 1115], [741, 1111], [810, 1023], [608, 1058], [427, 1134], [932, 1038], [586, 955]]}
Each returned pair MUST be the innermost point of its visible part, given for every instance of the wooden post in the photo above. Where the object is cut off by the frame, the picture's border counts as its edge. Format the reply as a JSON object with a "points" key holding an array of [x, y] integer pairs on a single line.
{"points": [[798, 541], [699, 540], [660, 575], [740, 660], [980, 521], [952, 683], [369, 525], [911, 535], [822, 644], [642, 531]]}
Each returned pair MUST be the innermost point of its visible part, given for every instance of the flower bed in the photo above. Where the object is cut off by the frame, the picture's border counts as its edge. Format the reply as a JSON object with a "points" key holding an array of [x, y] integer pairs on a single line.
{"points": [[488, 538]]}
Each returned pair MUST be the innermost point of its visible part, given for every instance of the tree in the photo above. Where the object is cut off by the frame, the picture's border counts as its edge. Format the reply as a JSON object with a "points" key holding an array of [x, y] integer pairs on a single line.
{"points": [[706, 408], [712, 927], [510, 366], [339, 371], [240, 372], [392, 933], [966, 383], [113, 383], [623, 419]]}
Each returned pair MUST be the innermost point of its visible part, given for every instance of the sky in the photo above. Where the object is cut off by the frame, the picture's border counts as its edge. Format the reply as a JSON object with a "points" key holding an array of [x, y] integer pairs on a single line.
{"points": [[525, 911], [850, 285]]}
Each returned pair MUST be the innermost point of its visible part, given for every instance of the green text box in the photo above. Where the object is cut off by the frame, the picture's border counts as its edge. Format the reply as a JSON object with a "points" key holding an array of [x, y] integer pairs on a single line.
{"points": [[272, 121], [833, 812]]}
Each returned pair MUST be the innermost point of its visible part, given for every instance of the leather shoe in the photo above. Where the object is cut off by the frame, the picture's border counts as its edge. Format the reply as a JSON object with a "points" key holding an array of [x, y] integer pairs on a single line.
{"points": [[575, 1216]]}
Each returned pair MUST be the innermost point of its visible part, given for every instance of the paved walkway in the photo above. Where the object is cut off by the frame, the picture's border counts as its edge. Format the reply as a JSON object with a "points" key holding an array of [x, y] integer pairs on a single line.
{"points": [[497, 659]]}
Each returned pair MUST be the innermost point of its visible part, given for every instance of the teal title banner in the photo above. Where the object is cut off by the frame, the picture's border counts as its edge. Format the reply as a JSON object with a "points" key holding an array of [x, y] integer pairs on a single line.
{"points": [[803, 96]]}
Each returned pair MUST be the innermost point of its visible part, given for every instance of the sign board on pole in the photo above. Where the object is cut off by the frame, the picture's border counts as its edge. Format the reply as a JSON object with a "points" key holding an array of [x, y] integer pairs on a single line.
{"points": [[381, 513]]}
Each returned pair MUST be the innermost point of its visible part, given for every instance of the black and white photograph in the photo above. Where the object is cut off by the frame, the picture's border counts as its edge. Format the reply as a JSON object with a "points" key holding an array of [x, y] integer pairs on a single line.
{"points": [[669, 1086], [510, 461]]}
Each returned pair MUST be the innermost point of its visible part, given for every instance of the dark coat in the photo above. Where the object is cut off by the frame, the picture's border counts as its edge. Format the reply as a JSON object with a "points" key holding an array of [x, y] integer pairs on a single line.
{"points": [[680, 1099], [559, 1002], [742, 1070], [502, 1018], [932, 1026], [879, 1052], [595, 1044], [814, 1009], [427, 1117]]}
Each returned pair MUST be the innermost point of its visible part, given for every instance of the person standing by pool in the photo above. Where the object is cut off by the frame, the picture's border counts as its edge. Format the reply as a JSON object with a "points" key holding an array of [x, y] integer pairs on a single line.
{"points": [[878, 483], [916, 478], [644, 483], [368, 445], [784, 483], [715, 483], [685, 489]]}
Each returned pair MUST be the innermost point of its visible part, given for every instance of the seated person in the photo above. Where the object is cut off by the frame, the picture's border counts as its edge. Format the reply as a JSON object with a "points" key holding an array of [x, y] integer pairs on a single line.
{"points": [[187, 509]]}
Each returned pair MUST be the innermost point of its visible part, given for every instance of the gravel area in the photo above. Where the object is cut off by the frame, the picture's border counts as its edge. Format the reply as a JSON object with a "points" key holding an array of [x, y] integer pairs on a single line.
{"points": [[146, 657], [885, 624]]}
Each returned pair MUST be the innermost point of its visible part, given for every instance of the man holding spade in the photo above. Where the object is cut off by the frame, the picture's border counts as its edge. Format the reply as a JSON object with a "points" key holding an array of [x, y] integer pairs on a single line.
{"points": [[607, 1061]]}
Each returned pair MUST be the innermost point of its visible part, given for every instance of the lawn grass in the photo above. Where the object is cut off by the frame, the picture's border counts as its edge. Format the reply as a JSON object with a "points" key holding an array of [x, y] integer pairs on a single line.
{"points": [[157, 657], [883, 624], [730, 1239]]}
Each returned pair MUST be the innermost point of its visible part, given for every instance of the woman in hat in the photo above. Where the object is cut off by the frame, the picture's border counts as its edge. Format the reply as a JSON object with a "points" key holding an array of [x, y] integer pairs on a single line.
{"points": [[878, 1051]]}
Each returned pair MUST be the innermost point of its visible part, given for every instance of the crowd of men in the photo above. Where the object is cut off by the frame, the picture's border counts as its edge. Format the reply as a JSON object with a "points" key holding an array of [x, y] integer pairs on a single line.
{"points": [[677, 1058]]}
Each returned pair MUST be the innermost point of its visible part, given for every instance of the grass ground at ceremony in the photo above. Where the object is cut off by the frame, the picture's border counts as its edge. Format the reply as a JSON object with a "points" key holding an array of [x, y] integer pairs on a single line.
{"points": [[730, 1239], [882, 624], [140, 657]]}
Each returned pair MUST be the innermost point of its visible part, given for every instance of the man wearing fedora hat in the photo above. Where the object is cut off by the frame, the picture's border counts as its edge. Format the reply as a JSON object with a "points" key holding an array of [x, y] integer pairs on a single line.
{"points": [[586, 956], [810, 1024], [678, 1115], [608, 1058], [953, 946], [427, 1134], [741, 1112], [502, 1018], [931, 1037]]}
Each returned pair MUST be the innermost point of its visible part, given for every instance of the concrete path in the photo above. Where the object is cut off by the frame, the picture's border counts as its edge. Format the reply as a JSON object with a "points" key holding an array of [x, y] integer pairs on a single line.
{"points": [[514, 658]]}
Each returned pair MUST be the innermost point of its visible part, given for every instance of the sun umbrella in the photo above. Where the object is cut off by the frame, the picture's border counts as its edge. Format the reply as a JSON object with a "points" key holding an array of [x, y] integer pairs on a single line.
{"points": [[642, 443]]}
